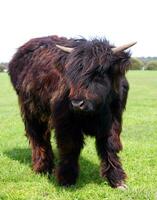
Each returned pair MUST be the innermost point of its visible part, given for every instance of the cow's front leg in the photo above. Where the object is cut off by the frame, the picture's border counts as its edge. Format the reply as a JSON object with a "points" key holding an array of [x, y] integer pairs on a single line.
{"points": [[111, 168], [69, 143]]}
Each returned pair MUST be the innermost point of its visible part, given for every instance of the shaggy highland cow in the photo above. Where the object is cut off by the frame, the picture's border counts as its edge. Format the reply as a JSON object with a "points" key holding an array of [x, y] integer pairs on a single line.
{"points": [[78, 87]]}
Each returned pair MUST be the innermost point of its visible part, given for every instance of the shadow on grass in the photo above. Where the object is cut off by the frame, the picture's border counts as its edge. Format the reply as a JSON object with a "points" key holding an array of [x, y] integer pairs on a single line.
{"points": [[23, 155], [89, 171]]}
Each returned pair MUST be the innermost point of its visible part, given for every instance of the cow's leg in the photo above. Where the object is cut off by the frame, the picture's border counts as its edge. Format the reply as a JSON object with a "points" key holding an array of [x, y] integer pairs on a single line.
{"points": [[69, 142], [39, 137], [107, 147]]}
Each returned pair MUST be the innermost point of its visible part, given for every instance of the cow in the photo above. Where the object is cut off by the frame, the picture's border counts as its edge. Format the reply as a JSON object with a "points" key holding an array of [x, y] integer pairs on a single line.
{"points": [[77, 87]]}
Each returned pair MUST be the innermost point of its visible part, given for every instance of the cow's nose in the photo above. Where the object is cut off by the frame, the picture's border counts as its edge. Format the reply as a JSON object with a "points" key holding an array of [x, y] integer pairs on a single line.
{"points": [[77, 104]]}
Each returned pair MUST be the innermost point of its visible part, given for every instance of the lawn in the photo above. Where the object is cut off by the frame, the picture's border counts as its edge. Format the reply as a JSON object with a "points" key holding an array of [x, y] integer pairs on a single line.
{"points": [[139, 157]]}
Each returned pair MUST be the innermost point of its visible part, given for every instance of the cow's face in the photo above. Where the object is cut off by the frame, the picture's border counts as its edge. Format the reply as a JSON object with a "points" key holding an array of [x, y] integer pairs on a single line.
{"points": [[92, 72], [90, 90]]}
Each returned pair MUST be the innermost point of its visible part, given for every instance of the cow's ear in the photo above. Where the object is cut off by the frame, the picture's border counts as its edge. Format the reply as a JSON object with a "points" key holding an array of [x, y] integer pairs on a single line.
{"points": [[124, 65], [121, 58], [121, 63]]}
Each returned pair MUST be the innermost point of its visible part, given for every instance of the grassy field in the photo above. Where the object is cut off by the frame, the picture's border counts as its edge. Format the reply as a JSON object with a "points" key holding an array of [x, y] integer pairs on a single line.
{"points": [[139, 157]]}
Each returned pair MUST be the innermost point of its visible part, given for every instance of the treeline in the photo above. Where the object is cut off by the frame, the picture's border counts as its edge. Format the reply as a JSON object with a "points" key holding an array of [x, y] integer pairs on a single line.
{"points": [[144, 63], [3, 67], [139, 63]]}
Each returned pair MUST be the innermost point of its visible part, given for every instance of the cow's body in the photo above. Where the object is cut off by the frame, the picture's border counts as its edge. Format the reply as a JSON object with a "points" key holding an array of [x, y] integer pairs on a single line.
{"points": [[51, 83]]}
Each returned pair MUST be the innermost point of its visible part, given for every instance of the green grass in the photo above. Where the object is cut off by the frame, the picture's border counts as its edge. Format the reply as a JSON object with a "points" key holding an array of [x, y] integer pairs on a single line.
{"points": [[139, 157]]}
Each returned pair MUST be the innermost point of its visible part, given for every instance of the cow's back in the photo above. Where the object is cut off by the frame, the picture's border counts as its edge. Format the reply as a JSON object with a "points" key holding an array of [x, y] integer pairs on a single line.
{"points": [[32, 59]]}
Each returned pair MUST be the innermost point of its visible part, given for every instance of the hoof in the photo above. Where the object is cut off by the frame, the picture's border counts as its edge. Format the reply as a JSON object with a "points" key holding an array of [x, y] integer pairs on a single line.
{"points": [[122, 186], [43, 168]]}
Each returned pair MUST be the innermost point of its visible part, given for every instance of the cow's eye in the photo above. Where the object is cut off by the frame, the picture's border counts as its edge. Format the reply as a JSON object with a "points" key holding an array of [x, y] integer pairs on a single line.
{"points": [[101, 70], [80, 66], [100, 67]]}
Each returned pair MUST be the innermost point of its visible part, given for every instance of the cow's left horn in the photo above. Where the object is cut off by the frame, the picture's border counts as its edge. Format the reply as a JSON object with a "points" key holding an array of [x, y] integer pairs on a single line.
{"points": [[123, 47], [66, 49]]}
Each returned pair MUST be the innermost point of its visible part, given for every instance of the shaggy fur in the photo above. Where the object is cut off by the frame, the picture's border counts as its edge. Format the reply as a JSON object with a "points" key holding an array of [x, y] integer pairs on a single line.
{"points": [[49, 81]]}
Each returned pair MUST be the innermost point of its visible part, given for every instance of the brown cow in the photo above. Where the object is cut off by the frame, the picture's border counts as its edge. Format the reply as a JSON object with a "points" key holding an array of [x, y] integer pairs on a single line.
{"points": [[78, 87]]}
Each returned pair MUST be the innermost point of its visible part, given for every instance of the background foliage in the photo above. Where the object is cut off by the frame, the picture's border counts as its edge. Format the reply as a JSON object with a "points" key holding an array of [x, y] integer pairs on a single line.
{"points": [[151, 65]]}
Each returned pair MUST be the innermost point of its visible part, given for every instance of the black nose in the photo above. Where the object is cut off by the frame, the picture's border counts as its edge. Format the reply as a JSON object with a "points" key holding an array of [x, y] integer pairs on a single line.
{"points": [[77, 104]]}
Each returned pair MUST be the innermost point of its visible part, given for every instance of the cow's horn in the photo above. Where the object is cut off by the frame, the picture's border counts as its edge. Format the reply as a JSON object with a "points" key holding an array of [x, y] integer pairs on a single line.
{"points": [[66, 49], [123, 47]]}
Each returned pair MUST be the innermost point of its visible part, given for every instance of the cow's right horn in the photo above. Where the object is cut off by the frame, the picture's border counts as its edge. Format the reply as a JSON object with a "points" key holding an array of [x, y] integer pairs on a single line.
{"points": [[66, 49]]}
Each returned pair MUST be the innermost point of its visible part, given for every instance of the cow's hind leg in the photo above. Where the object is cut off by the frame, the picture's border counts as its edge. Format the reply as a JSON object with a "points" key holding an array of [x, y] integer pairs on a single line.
{"points": [[111, 167], [70, 142], [39, 137]]}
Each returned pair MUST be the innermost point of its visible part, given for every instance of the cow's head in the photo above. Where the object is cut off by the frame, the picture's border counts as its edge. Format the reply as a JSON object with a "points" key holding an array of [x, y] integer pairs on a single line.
{"points": [[93, 71]]}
